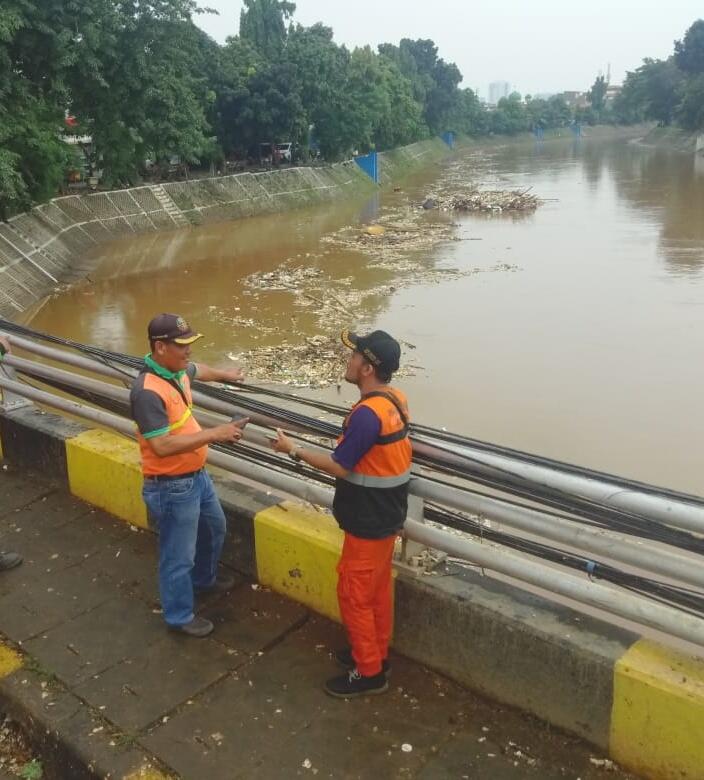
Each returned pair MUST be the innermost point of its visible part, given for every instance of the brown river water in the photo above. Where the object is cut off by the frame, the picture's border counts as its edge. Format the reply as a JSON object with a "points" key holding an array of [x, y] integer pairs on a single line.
{"points": [[576, 331]]}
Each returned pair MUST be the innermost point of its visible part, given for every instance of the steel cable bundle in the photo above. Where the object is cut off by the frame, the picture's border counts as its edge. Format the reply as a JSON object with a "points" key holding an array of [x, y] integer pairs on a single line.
{"points": [[450, 467], [450, 470]]}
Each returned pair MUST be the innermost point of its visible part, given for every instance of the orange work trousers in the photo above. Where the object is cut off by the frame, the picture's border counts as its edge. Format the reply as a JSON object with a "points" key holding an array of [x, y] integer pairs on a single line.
{"points": [[364, 596]]}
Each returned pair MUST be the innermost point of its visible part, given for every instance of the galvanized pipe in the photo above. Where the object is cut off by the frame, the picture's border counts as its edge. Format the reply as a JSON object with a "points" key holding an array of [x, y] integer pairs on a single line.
{"points": [[632, 552], [107, 419], [599, 542], [616, 602], [64, 356], [88, 364], [678, 514], [112, 392], [622, 604]]}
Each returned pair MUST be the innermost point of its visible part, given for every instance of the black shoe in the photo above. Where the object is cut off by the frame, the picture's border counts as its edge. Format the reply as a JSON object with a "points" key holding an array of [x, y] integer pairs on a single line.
{"points": [[8, 560], [223, 583], [343, 658], [353, 684], [198, 627]]}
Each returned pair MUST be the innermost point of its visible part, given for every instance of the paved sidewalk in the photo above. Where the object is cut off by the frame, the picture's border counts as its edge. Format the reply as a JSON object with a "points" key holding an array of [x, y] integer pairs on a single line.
{"points": [[117, 692]]}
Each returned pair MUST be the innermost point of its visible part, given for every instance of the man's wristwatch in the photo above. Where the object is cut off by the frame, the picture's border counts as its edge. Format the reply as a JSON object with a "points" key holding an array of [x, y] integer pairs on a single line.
{"points": [[295, 453]]}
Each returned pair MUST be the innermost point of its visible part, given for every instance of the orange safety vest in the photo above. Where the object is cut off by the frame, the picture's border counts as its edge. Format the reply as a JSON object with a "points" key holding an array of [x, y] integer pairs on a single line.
{"points": [[388, 463], [181, 421]]}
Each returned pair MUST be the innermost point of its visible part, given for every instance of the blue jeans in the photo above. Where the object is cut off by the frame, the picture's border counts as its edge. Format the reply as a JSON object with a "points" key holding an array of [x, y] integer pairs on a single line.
{"points": [[191, 525]]}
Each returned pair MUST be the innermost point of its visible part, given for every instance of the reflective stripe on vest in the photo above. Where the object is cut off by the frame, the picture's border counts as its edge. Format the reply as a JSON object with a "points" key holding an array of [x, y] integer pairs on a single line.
{"points": [[366, 480], [181, 421], [387, 463]]}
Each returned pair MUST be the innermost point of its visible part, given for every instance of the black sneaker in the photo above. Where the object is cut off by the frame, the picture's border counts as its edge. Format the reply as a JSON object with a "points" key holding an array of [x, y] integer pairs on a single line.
{"points": [[199, 627], [353, 684], [344, 659], [8, 560], [223, 583]]}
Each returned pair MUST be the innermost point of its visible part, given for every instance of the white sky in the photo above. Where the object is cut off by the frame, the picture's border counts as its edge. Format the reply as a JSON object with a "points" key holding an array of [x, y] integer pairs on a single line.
{"points": [[538, 46]]}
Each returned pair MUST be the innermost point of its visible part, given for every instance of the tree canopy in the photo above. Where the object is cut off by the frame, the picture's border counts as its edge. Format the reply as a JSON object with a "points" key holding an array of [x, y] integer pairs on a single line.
{"points": [[146, 84], [668, 91]]}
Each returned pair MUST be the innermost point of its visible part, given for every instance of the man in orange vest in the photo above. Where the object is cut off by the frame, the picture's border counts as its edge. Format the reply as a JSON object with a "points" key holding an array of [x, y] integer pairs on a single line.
{"points": [[372, 467], [177, 489]]}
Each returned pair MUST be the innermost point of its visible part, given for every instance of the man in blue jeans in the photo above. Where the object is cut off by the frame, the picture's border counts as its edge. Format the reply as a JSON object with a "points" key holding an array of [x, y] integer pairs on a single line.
{"points": [[177, 489]]}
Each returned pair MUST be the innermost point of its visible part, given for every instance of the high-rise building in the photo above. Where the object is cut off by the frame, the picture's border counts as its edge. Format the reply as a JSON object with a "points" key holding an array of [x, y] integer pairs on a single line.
{"points": [[498, 90]]}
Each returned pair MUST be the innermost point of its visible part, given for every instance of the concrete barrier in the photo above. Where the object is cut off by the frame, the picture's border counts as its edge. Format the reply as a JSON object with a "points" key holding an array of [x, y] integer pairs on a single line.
{"points": [[641, 702]]}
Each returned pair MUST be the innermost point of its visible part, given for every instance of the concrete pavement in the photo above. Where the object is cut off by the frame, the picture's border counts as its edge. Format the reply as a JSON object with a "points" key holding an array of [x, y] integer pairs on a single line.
{"points": [[105, 690]]}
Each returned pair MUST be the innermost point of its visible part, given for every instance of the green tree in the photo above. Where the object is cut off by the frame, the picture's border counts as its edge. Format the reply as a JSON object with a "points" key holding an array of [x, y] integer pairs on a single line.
{"points": [[35, 56], [139, 85], [510, 116], [320, 70], [597, 94], [233, 115], [630, 103], [400, 118], [443, 95], [434, 82], [355, 101], [263, 24], [689, 52], [652, 91], [382, 109], [468, 115], [690, 112], [257, 100], [550, 113]]}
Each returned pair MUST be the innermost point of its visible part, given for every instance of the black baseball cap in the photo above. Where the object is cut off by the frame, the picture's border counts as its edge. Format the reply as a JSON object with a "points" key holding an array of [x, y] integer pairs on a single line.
{"points": [[380, 349], [171, 327]]}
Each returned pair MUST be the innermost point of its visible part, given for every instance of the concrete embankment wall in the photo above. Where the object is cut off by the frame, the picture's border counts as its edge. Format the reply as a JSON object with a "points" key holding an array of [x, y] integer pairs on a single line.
{"points": [[397, 163], [640, 702], [674, 138], [43, 247]]}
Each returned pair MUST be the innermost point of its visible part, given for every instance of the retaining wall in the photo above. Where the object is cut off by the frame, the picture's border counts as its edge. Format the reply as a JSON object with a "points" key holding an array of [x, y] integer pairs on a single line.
{"points": [[42, 247], [674, 138], [396, 163], [640, 702]]}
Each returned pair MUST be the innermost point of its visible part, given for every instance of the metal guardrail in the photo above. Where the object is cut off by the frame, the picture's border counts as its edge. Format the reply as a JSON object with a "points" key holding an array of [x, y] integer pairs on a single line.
{"points": [[611, 600], [617, 547]]}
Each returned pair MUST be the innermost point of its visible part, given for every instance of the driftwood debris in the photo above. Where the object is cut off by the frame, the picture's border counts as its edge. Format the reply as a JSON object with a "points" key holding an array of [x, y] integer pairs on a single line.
{"points": [[491, 201]]}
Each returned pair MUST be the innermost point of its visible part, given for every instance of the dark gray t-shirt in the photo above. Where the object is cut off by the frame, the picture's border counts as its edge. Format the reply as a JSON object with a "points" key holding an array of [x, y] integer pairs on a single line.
{"points": [[148, 409]]}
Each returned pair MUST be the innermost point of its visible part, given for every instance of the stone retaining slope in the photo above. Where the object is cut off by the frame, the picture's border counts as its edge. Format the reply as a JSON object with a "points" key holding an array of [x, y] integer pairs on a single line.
{"points": [[674, 138], [639, 701], [41, 248]]}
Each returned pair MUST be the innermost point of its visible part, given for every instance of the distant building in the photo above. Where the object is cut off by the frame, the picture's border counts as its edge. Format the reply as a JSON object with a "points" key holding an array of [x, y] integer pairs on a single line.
{"points": [[498, 90], [612, 92], [575, 99]]}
